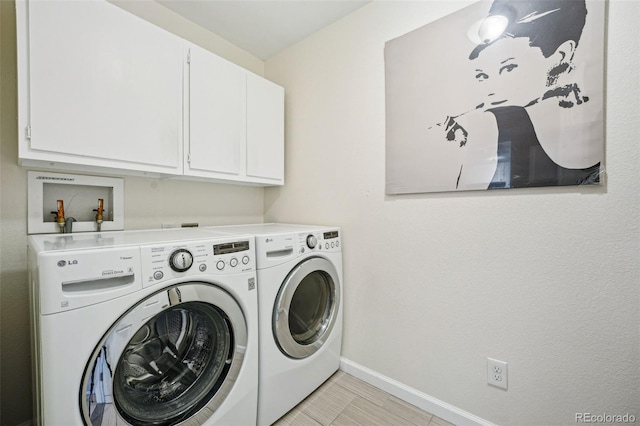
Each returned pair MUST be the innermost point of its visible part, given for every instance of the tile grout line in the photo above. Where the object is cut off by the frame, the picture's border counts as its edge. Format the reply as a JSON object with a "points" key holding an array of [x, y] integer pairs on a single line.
{"points": [[358, 391]]}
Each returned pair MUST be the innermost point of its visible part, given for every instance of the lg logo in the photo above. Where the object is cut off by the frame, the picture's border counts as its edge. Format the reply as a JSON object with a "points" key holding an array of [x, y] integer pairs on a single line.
{"points": [[62, 263], [268, 240]]}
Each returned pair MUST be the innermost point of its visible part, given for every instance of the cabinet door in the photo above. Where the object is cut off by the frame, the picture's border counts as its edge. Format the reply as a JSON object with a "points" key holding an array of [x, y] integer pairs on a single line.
{"points": [[265, 130], [216, 116], [105, 87]]}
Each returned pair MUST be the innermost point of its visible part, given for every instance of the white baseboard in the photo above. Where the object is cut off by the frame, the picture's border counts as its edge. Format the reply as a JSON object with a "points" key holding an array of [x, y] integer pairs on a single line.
{"points": [[426, 402]]}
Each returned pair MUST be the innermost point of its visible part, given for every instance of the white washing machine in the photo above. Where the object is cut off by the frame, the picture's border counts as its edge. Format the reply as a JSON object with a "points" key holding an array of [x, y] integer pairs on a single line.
{"points": [[144, 327], [299, 270]]}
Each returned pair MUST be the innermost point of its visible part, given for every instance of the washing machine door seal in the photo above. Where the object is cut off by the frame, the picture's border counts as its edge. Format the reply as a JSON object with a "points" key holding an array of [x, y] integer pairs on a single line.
{"points": [[171, 359], [306, 308]]}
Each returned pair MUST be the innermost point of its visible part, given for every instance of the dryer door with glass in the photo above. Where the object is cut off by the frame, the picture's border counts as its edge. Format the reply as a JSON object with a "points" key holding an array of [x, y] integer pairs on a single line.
{"points": [[171, 358], [306, 307]]}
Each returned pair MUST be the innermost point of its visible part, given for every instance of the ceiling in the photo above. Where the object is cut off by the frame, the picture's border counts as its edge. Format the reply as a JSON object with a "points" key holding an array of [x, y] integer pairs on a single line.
{"points": [[263, 27]]}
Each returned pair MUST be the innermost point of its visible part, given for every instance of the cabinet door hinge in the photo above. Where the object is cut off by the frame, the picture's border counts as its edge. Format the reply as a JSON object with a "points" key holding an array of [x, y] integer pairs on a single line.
{"points": [[189, 158], [28, 132]]}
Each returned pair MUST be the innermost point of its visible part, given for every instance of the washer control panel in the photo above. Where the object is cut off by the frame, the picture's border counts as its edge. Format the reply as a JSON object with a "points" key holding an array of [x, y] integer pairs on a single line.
{"points": [[191, 259], [312, 241], [181, 260]]}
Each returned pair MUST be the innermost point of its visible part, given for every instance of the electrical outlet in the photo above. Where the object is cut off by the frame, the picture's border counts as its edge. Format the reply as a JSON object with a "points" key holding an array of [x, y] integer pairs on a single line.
{"points": [[497, 373]]}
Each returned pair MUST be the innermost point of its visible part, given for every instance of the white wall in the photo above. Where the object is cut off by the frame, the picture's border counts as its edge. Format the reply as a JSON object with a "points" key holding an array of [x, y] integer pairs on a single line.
{"points": [[171, 21], [543, 278], [148, 203]]}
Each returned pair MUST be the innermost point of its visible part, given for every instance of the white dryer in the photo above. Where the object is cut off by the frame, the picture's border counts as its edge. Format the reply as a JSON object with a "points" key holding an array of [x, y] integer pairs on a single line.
{"points": [[299, 270], [144, 327]]}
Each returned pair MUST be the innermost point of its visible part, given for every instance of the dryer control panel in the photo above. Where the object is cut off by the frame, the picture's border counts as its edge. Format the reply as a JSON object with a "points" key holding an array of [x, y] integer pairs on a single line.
{"points": [[194, 258], [273, 250], [319, 241]]}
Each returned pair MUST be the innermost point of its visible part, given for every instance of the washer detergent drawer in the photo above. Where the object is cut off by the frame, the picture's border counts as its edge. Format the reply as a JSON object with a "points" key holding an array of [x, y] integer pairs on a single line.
{"points": [[85, 277]]}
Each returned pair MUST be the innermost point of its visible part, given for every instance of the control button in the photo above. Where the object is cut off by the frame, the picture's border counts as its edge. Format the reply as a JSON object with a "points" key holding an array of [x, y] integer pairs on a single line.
{"points": [[181, 260], [220, 265], [245, 260], [337, 243], [157, 275], [332, 244], [326, 246], [202, 267], [233, 262], [311, 241]]}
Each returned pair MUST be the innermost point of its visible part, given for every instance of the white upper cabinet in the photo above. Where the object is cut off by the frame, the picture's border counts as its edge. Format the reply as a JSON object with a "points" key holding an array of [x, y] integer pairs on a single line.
{"points": [[265, 130], [99, 87], [216, 116], [235, 122]]}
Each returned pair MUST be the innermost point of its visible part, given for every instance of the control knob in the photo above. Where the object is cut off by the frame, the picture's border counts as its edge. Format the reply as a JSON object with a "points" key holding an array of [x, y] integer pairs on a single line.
{"points": [[181, 260], [311, 241]]}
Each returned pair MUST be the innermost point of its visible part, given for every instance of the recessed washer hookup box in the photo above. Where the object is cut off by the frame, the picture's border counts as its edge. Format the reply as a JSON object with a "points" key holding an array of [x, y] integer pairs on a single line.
{"points": [[80, 196]]}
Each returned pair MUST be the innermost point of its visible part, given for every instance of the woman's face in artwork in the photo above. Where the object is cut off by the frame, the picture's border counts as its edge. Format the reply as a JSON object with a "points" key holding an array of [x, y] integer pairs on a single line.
{"points": [[512, 73]]}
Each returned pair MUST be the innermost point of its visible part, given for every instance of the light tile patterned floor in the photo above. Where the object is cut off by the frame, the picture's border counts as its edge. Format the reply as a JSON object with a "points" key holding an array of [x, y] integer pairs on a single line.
{"points": [[344, 400]]}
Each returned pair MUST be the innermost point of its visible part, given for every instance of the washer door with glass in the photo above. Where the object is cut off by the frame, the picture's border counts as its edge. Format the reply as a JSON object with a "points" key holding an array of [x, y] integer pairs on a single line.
{"points": [[306, 308], [173, 357]]}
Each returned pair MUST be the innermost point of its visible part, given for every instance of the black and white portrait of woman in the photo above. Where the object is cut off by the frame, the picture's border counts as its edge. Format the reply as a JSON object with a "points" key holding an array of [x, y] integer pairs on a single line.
{"points": [[501, 94]]}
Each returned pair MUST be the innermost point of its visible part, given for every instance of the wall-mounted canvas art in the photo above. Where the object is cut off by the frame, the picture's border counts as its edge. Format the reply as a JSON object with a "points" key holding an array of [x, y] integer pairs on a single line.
{"points": [[501, 94]]}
